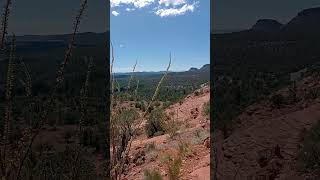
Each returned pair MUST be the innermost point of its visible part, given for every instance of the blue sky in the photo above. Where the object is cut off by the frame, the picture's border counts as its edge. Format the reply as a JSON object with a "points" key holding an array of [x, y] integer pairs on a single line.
{"points": [[148, 30]]}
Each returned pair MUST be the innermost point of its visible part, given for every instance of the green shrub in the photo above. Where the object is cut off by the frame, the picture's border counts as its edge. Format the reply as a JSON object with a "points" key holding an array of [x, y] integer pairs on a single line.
{"points": [[184, 149], [197, 93], [206, 108], [155, 123], [127, 117], [152, 175], [140, 105], [69, 164], [201, 91], [67, 135], [277, 100], [312, 93], [166, 104], [150, 147], [172, 128], [157, 104], [309, 156], [174, 168], [71, 117]]}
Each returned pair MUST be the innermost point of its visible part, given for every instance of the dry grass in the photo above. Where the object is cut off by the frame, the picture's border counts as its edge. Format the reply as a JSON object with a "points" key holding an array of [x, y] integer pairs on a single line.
{"points": [[4, 23]]}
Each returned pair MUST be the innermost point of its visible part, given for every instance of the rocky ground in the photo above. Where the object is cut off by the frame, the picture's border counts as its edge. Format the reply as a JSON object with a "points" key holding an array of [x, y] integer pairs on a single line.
{"points": [[192, 135], [266, 140]]}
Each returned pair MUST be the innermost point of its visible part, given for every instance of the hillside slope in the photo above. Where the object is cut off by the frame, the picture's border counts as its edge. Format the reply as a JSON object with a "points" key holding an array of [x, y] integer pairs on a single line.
{"points": [[192, 134], [266, 140]]}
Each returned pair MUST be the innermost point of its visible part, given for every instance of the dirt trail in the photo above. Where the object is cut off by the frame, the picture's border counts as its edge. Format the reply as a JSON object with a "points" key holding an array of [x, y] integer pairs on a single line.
{"points": [[194, 130], [266, 141]]}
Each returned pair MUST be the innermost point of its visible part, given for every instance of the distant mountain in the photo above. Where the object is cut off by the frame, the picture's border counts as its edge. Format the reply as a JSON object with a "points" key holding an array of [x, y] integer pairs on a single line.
{"points": [[267, 25], [205, 67], [307, 21], [193, 69], [304, 25], [150, 73], [223, 31], [86, 38]]}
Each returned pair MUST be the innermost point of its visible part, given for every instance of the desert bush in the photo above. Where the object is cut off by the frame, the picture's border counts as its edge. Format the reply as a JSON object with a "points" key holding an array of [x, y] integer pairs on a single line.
{"points": [[200, 136], [312, 93], [69, 164], [277, 100], [166, 104], [150, 109], [155, 123], [174, 168], [206, 108], [293, 98], [123, 132], [184, 149], [140, 105], [201, 91], [157, 104], [122, 124], [152, 175], [71, 118], [173, 126], [67, 135], [90, 137], [309, 156], [197, 93], [86, 137], [127, 117], [150, 147]]}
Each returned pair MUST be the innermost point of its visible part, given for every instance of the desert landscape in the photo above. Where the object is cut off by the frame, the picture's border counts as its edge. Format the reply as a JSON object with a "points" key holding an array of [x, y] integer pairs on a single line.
{"points": [[54, 102], [161, 139], [266, 92]]}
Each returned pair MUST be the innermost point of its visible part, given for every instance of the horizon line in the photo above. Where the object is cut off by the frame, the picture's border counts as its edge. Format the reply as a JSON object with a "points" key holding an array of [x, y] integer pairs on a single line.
{"points": [[59, 33], [158, 71]]}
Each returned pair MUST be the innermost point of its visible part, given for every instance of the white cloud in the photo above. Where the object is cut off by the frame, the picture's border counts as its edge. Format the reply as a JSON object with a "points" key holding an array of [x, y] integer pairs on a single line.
{"points": [[165, 7], [121, 46], [136, 3], [175, 11], [172, 2], [115, 13], [130, 9], [142, 3], [115, 3]]}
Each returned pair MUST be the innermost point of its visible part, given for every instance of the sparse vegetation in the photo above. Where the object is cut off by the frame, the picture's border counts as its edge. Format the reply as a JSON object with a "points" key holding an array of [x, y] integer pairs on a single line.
{"points": [[277, 100], [133, 94], [150, 147], [184, 149], [206, 109], [155, 123], [152, 175], [173, 125], [174, 168], [310, 153], [122, 134], [39, 104]]}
